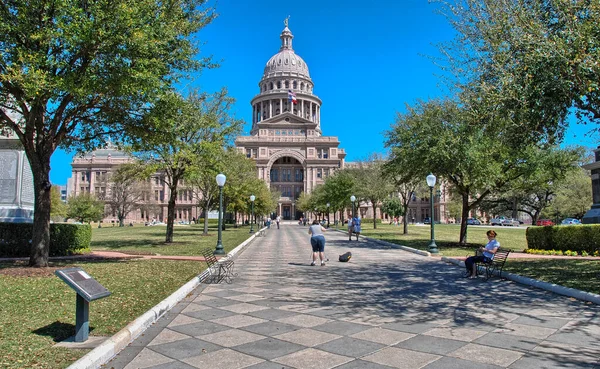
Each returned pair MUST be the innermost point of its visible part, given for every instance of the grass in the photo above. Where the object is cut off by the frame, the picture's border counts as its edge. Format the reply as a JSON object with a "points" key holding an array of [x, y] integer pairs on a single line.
{"points": [[446, 237], [45, 306], [38, 311], [187, 239], [579, 274]]}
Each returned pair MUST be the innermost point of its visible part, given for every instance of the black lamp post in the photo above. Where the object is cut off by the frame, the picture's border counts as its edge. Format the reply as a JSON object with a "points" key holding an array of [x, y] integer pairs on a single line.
{"points": [[252, 198], [220, 182], [431, 183], [328, 204]]}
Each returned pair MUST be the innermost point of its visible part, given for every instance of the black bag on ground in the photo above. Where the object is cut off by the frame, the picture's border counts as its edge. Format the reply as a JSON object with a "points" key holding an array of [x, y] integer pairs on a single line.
{"points": [[345, 257]]}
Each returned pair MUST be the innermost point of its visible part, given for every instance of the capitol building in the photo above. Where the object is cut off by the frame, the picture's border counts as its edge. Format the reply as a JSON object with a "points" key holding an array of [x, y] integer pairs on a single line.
{"points": [[286, 140]]}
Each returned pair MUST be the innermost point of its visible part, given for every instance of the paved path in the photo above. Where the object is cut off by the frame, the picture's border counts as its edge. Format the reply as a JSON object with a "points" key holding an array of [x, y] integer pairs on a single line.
{"points": [[385, 309]]}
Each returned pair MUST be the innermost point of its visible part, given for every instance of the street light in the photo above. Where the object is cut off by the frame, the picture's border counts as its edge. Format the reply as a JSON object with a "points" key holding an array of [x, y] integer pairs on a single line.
{"points": [[252, 198], [220, 182], [328, 204], [353, 198], [431, 183]]}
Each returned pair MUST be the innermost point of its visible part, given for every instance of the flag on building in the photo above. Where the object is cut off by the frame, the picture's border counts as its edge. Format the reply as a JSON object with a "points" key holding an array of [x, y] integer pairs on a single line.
{"points": [[292, 97]]}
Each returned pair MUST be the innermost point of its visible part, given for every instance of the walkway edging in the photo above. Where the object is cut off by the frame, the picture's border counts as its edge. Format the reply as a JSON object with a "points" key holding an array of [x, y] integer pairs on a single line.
{"points": [[394, 245], [555, 288], [111, 347]]}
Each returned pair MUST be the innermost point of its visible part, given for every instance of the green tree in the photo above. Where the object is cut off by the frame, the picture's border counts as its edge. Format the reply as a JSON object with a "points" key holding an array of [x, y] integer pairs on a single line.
{"points": [[85, 208], [392, 206], [530, 62], [574, 195], [177, 132], [454, 148], [73, 71], [338, 189], [371, 182], [58, 207]]}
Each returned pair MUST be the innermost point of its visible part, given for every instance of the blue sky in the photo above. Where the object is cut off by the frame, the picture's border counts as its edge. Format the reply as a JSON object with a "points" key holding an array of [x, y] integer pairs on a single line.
{"points": [[366, 59]]}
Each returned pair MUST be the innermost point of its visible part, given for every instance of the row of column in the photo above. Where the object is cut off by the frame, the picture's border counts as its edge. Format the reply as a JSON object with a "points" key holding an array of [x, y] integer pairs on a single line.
{"points": [[265, 109]]}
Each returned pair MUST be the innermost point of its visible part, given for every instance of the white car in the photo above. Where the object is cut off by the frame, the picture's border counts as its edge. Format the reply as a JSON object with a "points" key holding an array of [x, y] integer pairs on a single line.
{"points": [[510, 222], [497, 221]]}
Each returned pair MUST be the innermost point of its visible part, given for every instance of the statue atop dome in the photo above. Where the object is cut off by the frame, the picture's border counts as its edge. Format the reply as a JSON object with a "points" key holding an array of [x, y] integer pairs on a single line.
{"points": [[286, 21]]}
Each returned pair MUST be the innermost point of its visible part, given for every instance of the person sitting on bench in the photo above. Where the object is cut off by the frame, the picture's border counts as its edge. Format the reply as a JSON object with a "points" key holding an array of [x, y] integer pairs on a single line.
{"points": [[486, 254]]}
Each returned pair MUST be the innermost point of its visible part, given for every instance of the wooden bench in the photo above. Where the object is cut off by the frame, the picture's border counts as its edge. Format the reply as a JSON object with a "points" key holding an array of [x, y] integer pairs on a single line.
{"points": [[495, 265], [219, 270]]}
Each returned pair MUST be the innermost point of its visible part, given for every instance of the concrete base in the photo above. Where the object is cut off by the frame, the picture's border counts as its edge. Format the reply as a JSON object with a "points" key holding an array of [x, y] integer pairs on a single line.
{"points": [[592, 216], [91, 343]]}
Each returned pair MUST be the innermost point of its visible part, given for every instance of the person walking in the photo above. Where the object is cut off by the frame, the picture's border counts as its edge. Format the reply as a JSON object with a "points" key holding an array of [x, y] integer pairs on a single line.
{"points": [[317, 241], [277, 220], [356, 226], [350, 229]]}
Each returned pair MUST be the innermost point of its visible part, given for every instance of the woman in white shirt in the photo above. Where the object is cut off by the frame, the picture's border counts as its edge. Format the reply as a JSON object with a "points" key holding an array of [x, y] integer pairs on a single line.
{"points": [[487, 254], [317, 241]]}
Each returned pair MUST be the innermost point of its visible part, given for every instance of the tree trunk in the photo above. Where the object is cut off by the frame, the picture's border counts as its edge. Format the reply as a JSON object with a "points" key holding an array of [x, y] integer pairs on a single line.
{"points": [[121, 221], [374, 215], [40, 242], [171, 209], [205, 212], [463, 219]]}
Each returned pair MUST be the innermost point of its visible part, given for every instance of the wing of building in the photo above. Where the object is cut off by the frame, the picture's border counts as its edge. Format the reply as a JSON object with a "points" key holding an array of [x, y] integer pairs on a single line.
{"points": [[286, 140]]}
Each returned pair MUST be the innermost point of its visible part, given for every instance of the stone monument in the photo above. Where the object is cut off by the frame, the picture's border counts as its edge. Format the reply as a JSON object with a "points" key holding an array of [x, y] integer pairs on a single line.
{"points": [[16, 181], [593, 215]]}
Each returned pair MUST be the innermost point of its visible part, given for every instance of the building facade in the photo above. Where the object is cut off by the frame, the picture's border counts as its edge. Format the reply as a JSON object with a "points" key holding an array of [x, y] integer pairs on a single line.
{"points": [[286, 140], [91, 173]]}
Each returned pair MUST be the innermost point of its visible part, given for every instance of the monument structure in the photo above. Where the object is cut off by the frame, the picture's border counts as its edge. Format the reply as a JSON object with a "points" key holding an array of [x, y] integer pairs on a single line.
{"points": [[286, 140], [16, 181], [593, 215]]}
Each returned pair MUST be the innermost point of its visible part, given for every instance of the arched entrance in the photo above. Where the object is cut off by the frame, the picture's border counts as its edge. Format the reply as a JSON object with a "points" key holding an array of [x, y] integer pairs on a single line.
{"points": [[287, 176]]}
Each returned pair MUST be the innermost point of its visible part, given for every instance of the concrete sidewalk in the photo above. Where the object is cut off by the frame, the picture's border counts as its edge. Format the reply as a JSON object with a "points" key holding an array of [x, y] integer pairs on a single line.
{"points": [[386, 308]]}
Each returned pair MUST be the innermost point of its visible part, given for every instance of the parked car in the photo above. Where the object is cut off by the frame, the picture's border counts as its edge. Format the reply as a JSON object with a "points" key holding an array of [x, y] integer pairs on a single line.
{"points": [[427, 221], [497, 221], [473, 221], [544, 222], [570, 221], [510, 222]]}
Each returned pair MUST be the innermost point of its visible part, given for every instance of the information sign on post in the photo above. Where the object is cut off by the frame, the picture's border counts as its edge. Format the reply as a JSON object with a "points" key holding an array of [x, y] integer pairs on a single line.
{"points": [[88, 289]]}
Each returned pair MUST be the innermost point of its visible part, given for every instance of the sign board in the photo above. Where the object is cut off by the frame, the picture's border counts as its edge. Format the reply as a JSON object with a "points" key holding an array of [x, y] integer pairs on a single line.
{"points": [[85, 286]]}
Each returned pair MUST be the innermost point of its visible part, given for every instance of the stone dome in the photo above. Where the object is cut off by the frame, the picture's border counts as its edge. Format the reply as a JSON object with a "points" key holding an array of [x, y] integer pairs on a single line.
{"points": [[286, 62]]}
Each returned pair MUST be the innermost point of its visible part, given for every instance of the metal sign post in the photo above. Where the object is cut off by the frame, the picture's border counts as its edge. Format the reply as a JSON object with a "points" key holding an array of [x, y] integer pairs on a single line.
{"points": [[88, 289]]}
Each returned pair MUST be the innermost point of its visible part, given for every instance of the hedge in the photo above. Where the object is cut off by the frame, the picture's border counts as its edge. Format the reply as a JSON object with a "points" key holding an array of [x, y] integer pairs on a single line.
{"points": [[65, 239], [575, 238]]}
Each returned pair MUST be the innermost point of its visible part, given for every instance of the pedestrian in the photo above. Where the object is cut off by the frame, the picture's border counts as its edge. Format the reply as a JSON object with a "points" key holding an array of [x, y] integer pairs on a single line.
{"points": [[277, 220], [486, 254], [350, 229], [317, 241], [356, 226]]}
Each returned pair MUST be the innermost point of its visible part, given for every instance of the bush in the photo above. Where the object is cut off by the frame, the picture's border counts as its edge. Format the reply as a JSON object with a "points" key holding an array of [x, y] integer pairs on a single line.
{"points": [[65, 239], [370, 221], [562, 238]]}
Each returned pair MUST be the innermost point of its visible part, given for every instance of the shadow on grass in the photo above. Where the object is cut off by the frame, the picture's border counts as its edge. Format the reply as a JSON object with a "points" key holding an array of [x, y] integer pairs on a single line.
{"points": [[58, 331]]}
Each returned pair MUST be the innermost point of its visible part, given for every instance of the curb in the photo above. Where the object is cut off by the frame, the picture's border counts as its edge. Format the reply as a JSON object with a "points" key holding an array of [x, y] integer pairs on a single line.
{"points": [[551, 287], [392, 245], [111, 347]]}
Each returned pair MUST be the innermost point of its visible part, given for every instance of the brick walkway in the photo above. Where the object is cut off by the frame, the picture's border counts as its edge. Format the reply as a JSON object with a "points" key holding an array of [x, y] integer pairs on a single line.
{"points": [[385, 309]]}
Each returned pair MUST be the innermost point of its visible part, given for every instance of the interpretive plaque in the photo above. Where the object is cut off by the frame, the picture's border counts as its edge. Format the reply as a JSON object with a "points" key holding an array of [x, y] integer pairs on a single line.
{"points": [[88, 289], [83, 283]]}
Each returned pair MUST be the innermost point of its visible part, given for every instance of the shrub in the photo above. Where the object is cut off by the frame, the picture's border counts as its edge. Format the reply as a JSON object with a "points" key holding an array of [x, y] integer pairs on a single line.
{"points": [[580, 238], [370, 221], [65, 239], [584, 253]]}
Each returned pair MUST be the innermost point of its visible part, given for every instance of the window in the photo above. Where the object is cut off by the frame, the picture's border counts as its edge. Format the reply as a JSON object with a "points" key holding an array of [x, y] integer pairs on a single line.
{"points": [[156, 195], [287, 84], [319, 173], [274, 175], [185, 195], [271, 86], [156, 180], [162, 195], [299, 175], [322, 153], [278, 84], [295, 85], [302, 86]]}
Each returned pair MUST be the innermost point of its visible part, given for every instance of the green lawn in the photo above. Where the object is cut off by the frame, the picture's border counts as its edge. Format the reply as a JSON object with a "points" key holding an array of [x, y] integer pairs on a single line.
{"points": [[580, 274], [187, 239], [37, 311], [45, 306], [446, 237]]}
